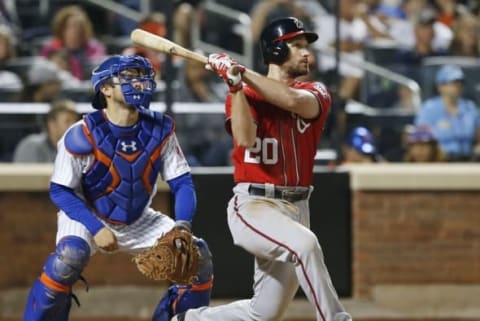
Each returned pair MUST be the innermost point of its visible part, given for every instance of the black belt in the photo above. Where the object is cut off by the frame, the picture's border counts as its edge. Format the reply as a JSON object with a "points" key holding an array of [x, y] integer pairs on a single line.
{"points": [[284, 194]]}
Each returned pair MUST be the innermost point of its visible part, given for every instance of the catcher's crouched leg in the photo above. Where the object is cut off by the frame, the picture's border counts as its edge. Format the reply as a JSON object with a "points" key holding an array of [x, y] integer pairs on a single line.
{"points": [[180, 298], [51, 294]]}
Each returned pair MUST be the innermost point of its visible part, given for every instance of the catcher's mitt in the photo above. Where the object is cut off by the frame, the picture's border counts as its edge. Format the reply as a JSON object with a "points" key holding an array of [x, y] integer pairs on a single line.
{"points": [[174, 257]]}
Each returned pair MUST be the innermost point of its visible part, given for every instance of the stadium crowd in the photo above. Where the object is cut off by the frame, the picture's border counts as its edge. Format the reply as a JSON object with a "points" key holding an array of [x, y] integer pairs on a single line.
{"points": [[47, 54]]}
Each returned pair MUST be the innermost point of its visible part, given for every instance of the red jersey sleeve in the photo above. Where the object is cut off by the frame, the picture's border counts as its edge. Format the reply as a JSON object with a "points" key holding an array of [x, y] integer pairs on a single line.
{"points": [[320, 91]]}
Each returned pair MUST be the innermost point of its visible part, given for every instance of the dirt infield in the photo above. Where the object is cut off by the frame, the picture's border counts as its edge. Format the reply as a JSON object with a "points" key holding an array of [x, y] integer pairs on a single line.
{"points": [[137, 304]]}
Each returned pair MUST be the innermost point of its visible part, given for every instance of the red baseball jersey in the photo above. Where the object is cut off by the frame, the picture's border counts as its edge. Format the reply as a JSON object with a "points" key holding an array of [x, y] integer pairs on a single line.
{"points": [[286, 144]]}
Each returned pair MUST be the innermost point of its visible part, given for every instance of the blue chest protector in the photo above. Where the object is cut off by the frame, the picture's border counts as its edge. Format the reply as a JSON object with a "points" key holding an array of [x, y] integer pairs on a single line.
{"points": [[127, 162]]}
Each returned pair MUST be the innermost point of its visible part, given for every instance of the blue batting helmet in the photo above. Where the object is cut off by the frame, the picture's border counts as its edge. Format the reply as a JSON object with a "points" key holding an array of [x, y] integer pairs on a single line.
{"points": [[112, 67], [361, 139], [449, 73], [272, 40]]}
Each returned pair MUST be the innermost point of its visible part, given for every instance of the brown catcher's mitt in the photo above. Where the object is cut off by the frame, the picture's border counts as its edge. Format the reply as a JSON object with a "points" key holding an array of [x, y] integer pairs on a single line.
{"points": [[174, 257]]}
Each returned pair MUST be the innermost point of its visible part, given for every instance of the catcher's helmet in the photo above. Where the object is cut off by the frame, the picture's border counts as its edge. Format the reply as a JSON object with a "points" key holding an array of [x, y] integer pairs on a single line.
{"points": [[272, 40], [112, 67]]}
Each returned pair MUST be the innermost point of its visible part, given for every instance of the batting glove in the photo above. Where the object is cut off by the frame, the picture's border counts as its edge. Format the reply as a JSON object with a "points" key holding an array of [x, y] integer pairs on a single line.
{"points": [[227, 68]]}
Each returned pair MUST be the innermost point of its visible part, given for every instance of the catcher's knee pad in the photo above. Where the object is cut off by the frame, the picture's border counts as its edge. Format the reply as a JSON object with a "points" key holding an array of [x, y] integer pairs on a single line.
{"points": [[205, 270], [43, 303], [63, 267]]}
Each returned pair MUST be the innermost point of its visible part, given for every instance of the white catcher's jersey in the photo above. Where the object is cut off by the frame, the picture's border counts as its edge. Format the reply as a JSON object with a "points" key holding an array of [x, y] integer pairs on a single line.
{"points": [[68, 171]]}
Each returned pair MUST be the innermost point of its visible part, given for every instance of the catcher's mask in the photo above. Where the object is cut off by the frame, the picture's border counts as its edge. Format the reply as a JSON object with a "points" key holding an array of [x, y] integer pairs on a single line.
{"points": [[135, 76], [272, 40]]}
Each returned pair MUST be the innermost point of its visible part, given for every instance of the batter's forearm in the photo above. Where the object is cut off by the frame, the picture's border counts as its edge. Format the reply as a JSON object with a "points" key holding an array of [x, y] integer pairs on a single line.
{"points": [[274, 91], [281, 95], [244, 129]]}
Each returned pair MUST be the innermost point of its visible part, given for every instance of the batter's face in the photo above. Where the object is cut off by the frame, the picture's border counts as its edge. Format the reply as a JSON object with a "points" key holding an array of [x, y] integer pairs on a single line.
{"points": [[298, 60]]}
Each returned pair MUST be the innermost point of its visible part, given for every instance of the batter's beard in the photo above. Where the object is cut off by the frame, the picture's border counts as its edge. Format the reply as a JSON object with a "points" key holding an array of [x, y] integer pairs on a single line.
{"points": [[298, 72]]}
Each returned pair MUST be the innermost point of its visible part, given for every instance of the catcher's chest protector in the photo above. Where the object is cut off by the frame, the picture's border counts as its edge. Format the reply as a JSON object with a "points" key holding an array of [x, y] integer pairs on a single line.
{"points": [[127, 162]]}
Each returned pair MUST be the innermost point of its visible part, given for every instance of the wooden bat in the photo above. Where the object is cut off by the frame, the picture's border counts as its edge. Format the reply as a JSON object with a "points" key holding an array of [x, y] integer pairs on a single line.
{"points": [[155, 42]]}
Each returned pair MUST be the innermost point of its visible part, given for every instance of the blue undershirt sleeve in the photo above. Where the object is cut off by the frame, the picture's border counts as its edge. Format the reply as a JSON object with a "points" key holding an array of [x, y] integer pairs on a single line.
{"points": [[185, 197], [65, 199]]}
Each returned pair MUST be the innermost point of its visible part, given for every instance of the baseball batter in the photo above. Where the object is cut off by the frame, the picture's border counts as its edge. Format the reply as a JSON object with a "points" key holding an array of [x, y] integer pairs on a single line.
{"points": [[103, 182], [276, 123]]}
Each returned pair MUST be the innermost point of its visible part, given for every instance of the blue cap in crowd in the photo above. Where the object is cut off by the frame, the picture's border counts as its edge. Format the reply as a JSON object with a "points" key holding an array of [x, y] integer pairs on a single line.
{"points": [[449, 73], [361, 139], [421, 134]]}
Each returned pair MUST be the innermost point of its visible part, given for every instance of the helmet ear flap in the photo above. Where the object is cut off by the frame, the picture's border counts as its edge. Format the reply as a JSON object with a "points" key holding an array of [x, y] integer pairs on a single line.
{"points": [[276, 53]]}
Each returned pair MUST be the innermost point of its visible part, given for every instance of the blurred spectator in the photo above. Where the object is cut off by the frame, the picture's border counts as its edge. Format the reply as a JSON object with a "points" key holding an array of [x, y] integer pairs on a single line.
{"points": [[345, 78], [42, 147], [454, 120], [449, 11], [196, 84], [73, 31], [243, 6], [466, 37], [401, 24], [43, 84], [61, 59], [201, 134], [408, 61], [353, 36], [9, 17], [422, 147], [8, 79], [8, 41], [183, 18], [156, 24], [360, 147]]}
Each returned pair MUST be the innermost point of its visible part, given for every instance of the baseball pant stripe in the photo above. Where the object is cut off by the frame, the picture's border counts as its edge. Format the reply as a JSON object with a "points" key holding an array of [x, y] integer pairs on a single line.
{"points": [[312, 290]]}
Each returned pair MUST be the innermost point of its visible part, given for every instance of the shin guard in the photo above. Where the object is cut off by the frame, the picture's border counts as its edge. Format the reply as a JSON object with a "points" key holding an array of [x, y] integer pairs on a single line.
{"points": [[51, 294], [180, 298]]}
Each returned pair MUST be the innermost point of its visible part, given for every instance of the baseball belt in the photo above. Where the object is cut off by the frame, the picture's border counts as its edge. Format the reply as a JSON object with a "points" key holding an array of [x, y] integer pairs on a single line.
{"points": [[290, 195]]}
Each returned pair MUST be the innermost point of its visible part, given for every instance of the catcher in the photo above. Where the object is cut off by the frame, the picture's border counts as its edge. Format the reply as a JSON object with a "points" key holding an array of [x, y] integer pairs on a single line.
{"points": [[103, 182]]}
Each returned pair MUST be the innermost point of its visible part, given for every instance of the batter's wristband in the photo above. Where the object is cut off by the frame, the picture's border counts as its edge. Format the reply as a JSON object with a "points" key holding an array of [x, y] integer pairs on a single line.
{"points": [[234, 89]]}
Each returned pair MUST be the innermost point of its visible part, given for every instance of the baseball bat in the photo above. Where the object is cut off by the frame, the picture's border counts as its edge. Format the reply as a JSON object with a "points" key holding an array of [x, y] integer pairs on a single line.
{"points": [[158, 43]]}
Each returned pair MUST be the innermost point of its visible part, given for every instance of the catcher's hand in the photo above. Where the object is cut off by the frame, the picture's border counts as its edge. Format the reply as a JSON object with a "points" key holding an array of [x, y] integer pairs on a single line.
{"points": [[174, 257]]}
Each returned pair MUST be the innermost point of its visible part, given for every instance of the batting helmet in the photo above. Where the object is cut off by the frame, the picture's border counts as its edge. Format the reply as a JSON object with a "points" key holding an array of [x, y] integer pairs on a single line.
{"points": [[361, 139], [112, 67], [272, 40]]}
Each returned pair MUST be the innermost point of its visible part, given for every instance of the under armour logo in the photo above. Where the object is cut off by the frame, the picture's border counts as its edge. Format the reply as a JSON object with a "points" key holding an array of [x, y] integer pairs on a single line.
{"points": [[136, 97], [125, 146]]}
